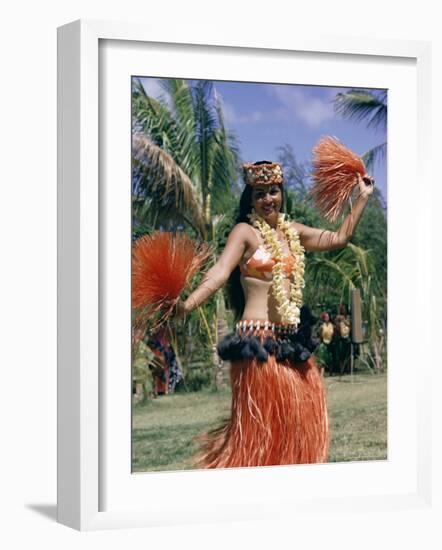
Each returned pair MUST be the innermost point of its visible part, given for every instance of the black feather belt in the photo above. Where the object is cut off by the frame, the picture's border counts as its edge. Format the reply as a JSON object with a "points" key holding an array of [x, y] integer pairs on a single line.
{"points": [[259, 339]]}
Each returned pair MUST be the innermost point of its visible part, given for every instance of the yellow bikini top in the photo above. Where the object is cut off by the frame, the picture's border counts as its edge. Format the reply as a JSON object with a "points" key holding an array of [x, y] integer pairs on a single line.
{"points": [[327, 330], [260, 265], [344, 329]]}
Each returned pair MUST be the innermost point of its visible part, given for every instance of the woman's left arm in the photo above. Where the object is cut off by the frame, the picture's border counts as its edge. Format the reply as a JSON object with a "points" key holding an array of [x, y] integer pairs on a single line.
{"points": [[320, 240]]}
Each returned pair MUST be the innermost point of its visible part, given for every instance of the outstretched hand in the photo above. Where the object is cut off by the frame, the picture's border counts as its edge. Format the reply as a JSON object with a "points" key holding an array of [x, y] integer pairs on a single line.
{"points": [[366, 185], [180, 309]]}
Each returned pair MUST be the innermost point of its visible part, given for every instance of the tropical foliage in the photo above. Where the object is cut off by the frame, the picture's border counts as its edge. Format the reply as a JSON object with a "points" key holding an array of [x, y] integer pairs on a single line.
{"points": [[370, 107], [366, 106], [186, 176], [185, 166], [330, 276], [184, 159]]}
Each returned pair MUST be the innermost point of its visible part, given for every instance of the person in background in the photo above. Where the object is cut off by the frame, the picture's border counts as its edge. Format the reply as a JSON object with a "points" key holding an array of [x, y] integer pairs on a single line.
{"points": [[343, 338], [326, 335]]}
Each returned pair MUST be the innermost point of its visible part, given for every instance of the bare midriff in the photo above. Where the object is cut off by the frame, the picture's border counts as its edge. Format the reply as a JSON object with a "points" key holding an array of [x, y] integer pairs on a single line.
{"points": [[260, 304]]}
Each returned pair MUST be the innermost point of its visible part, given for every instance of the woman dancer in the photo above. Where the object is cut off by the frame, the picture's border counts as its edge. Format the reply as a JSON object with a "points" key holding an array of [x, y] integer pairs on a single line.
{"points": [[278, 412]]}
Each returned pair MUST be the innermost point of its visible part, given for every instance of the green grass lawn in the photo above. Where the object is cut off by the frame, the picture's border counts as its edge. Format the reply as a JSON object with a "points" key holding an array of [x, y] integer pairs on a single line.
{"points": [[164, 428]]}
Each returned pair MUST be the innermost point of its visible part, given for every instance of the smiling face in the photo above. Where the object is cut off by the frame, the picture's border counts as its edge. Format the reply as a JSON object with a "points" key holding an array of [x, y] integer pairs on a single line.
{"points": [[267, 201]]}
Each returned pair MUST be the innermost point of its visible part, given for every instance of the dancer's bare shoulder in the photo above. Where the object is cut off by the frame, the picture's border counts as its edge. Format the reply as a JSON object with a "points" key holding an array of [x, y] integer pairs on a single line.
{"points": [[244, 234]]}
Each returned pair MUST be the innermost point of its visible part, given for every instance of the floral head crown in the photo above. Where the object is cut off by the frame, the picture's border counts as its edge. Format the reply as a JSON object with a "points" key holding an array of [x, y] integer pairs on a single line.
{"points": [[263, 174]]}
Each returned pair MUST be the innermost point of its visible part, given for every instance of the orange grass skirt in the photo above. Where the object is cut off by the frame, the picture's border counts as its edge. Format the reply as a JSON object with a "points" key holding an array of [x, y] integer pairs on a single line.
{"points": [[278, 416]]}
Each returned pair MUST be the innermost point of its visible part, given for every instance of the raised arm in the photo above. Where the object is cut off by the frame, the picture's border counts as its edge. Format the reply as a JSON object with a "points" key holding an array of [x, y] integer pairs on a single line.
{"points": [[239, 240], [318, 240]]}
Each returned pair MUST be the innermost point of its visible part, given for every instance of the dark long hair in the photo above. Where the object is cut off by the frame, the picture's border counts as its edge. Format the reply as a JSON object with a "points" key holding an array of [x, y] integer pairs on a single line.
{"points": [[235, 294]]}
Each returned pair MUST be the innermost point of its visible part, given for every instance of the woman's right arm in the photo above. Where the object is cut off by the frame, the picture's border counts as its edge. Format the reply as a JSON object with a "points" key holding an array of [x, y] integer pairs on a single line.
{"points": [[239, 240]]}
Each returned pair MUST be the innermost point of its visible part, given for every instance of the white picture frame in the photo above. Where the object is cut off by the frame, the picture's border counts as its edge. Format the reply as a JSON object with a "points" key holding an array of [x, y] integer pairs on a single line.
{"points": [[81, 395]]}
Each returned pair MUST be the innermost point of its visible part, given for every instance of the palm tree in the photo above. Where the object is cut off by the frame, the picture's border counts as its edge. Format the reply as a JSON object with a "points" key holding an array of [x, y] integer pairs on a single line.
{"points": [[184, 164], [368, 106], [162, 191], [191, 170]]}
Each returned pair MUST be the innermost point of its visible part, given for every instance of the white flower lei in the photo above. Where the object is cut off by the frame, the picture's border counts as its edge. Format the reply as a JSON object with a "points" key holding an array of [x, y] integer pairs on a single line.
{"points": [[288, 309]]}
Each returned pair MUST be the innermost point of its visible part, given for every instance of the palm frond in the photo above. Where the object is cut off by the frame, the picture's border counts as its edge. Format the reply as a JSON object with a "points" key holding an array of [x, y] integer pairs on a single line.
{"points": [[188, 125], [206, 125], [225, 161], [180, 97], [361, 255], [164, 180], [352, 264], [363, 105], [375, 154], [344, 271], [155, 120]]}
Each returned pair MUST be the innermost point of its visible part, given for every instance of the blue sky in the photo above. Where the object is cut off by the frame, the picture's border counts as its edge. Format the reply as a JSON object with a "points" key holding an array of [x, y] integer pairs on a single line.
{"points": [[267, 116]]}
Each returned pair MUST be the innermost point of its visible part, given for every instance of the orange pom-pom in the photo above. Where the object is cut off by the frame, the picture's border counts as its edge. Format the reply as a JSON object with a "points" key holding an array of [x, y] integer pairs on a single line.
{"points": [[162, 266], [334, 176]]}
